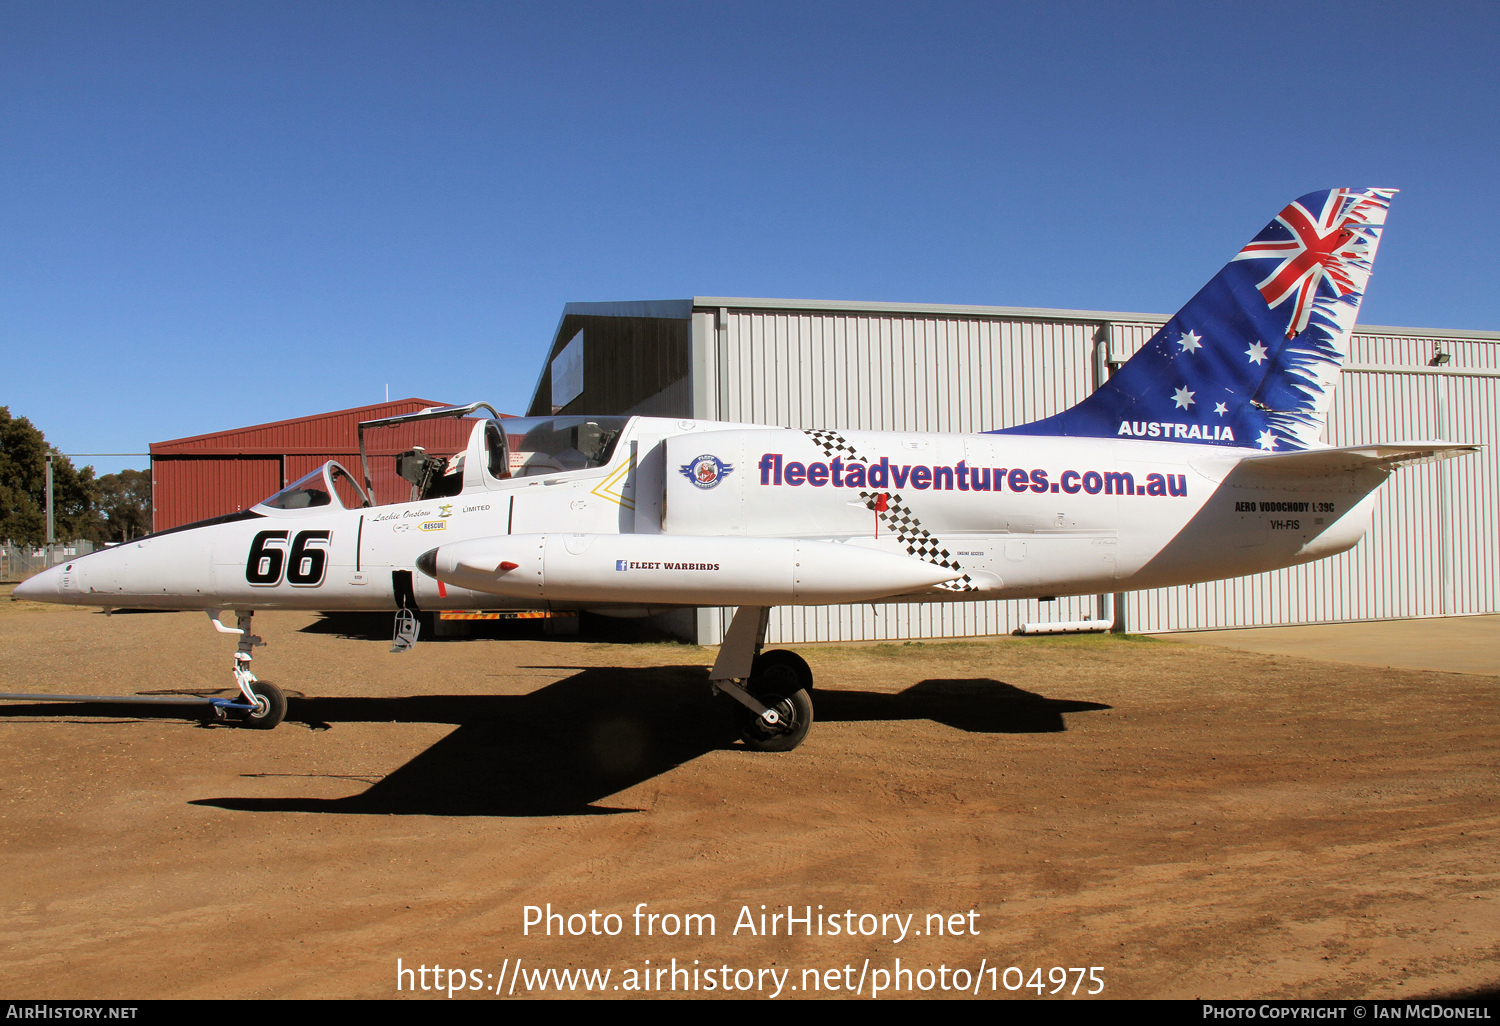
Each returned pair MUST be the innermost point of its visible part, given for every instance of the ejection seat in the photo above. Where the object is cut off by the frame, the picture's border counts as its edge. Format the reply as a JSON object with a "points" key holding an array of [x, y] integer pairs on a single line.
{"points": [[483, 464]]}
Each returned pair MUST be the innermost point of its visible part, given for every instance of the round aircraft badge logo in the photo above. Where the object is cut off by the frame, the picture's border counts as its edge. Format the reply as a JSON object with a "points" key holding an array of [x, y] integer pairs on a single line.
{"points": [[706, 471]]}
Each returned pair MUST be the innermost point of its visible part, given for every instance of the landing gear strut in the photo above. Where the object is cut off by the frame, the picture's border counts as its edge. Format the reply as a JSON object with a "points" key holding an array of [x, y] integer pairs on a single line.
{"points": [[771, 687], [267, 705]]}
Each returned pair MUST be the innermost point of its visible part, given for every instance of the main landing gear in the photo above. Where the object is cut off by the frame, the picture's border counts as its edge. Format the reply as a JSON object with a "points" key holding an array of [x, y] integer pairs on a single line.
{"points": [[263, 704], [771, 687]]}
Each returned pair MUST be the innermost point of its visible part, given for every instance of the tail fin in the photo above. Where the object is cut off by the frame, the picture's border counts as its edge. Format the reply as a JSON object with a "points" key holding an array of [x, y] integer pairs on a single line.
{"points": [[1252, 360]]}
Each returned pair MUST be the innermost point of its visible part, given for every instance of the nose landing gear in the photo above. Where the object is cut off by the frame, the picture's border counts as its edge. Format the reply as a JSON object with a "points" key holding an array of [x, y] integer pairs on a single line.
{"points": [[270, 707], [267, 705]]}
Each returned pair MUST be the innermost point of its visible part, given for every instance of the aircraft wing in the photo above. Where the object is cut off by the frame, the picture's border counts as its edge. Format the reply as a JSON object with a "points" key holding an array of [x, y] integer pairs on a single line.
{"points": [[1383, 456]]}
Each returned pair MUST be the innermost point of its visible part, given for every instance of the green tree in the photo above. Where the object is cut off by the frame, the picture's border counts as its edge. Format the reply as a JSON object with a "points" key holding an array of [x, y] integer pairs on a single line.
{"points": [[125, 504], [23, 488]]}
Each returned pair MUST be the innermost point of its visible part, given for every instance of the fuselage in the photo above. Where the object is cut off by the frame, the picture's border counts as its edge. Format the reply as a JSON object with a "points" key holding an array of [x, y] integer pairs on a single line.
{"points": [[1011, 516]]}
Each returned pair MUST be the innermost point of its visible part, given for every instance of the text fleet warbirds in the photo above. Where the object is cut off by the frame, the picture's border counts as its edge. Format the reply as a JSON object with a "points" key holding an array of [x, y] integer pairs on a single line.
{"points": [[1181, 468]]}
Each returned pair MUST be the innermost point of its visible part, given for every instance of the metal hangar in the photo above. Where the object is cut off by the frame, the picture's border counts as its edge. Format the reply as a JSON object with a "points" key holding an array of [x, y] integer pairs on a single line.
{"points": [[1432, 550]]}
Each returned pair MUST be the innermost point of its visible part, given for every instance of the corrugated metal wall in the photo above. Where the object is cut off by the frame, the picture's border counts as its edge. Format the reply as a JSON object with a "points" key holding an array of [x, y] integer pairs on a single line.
{"points": [[185, 490], [1432, 548], [209, 475], [1431, 551], [897, 373]]}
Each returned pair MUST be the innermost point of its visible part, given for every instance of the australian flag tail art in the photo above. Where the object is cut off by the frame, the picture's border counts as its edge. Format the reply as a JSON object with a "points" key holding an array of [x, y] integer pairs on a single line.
{"points": [[1251, 361]]}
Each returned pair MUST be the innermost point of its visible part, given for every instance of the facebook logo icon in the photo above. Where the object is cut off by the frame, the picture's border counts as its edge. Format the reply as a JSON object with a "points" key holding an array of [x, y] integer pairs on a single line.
{"points": [[621, 564]]}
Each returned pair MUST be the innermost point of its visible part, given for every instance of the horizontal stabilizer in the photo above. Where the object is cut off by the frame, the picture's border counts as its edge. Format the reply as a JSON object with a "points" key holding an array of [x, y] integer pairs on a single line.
{"points": [[1384, 456]]}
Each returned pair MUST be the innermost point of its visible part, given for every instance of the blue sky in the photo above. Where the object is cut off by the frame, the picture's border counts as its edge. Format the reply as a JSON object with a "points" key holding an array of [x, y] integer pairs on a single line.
{"points": [[217, 214]]}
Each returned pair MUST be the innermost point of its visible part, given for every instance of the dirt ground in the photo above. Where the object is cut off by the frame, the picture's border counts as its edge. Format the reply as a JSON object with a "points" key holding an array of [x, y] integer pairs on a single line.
{"points": [[1194, 822]]}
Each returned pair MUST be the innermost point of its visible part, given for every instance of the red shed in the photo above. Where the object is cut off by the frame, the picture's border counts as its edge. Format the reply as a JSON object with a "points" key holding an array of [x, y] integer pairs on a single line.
{"points": [[227, 471]]}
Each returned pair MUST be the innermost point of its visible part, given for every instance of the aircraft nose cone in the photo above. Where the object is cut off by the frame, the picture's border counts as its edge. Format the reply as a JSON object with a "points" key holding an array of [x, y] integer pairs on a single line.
{"points": [[427, 563], [42, 587]]}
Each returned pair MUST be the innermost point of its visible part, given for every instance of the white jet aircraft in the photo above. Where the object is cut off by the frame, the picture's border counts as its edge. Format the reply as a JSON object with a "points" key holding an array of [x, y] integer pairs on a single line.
{"points": [[1198, 460]]}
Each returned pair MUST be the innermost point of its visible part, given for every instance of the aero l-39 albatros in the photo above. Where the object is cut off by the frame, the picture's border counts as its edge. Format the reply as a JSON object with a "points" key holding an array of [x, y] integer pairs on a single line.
{"points": [[1198, 460]]}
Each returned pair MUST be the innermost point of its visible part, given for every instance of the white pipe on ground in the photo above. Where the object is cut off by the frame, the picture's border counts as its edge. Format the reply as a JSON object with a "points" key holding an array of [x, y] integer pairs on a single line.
{"points": [[1066, 626]]}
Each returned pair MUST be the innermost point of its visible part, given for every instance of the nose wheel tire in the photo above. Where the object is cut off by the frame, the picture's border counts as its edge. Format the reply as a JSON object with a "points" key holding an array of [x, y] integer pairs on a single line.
{"points": [[777, 684], [270, 707]]}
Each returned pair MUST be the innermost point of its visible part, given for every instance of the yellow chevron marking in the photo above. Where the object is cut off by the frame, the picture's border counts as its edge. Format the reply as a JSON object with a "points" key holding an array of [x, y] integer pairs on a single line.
{"points": [[613, 486]]}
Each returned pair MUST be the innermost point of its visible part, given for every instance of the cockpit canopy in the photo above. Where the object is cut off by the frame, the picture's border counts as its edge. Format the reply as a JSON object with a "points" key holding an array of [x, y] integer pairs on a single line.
{"points": [[513, 447], [499, 448], [552, 445], [406, 458], [329, 485]]}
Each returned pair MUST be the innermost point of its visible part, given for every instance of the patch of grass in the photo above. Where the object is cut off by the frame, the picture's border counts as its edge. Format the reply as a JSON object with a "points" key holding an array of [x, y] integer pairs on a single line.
{"points": [[10, 604], [675, 650], [930, 649]]}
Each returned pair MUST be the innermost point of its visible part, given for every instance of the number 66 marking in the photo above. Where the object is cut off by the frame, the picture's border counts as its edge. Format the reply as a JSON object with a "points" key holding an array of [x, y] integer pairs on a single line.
{"points": [[304, 569]]}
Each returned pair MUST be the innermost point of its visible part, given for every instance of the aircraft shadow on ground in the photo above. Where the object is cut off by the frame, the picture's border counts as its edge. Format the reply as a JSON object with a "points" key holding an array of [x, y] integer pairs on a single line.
{"points": [[568, 746], [378, 627]]}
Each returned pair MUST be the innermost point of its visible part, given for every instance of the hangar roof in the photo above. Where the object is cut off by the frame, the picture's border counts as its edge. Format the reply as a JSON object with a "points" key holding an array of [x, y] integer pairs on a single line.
{"points": [[638, 348], [320, 433], [683, 309]]}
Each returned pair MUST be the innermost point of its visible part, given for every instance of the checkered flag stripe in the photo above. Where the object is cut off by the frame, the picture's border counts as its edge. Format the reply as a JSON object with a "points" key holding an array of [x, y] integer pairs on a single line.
{"points": [[918, 540], [834, 444], [897, 516]]}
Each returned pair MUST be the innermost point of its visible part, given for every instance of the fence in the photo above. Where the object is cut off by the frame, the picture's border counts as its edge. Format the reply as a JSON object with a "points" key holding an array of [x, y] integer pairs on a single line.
{"points": [[18, 562]]}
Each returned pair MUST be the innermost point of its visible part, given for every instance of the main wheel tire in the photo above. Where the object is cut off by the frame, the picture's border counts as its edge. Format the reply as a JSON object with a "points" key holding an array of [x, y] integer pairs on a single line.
{"points": [[270, 707], [778, 685], [779, 657]]}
